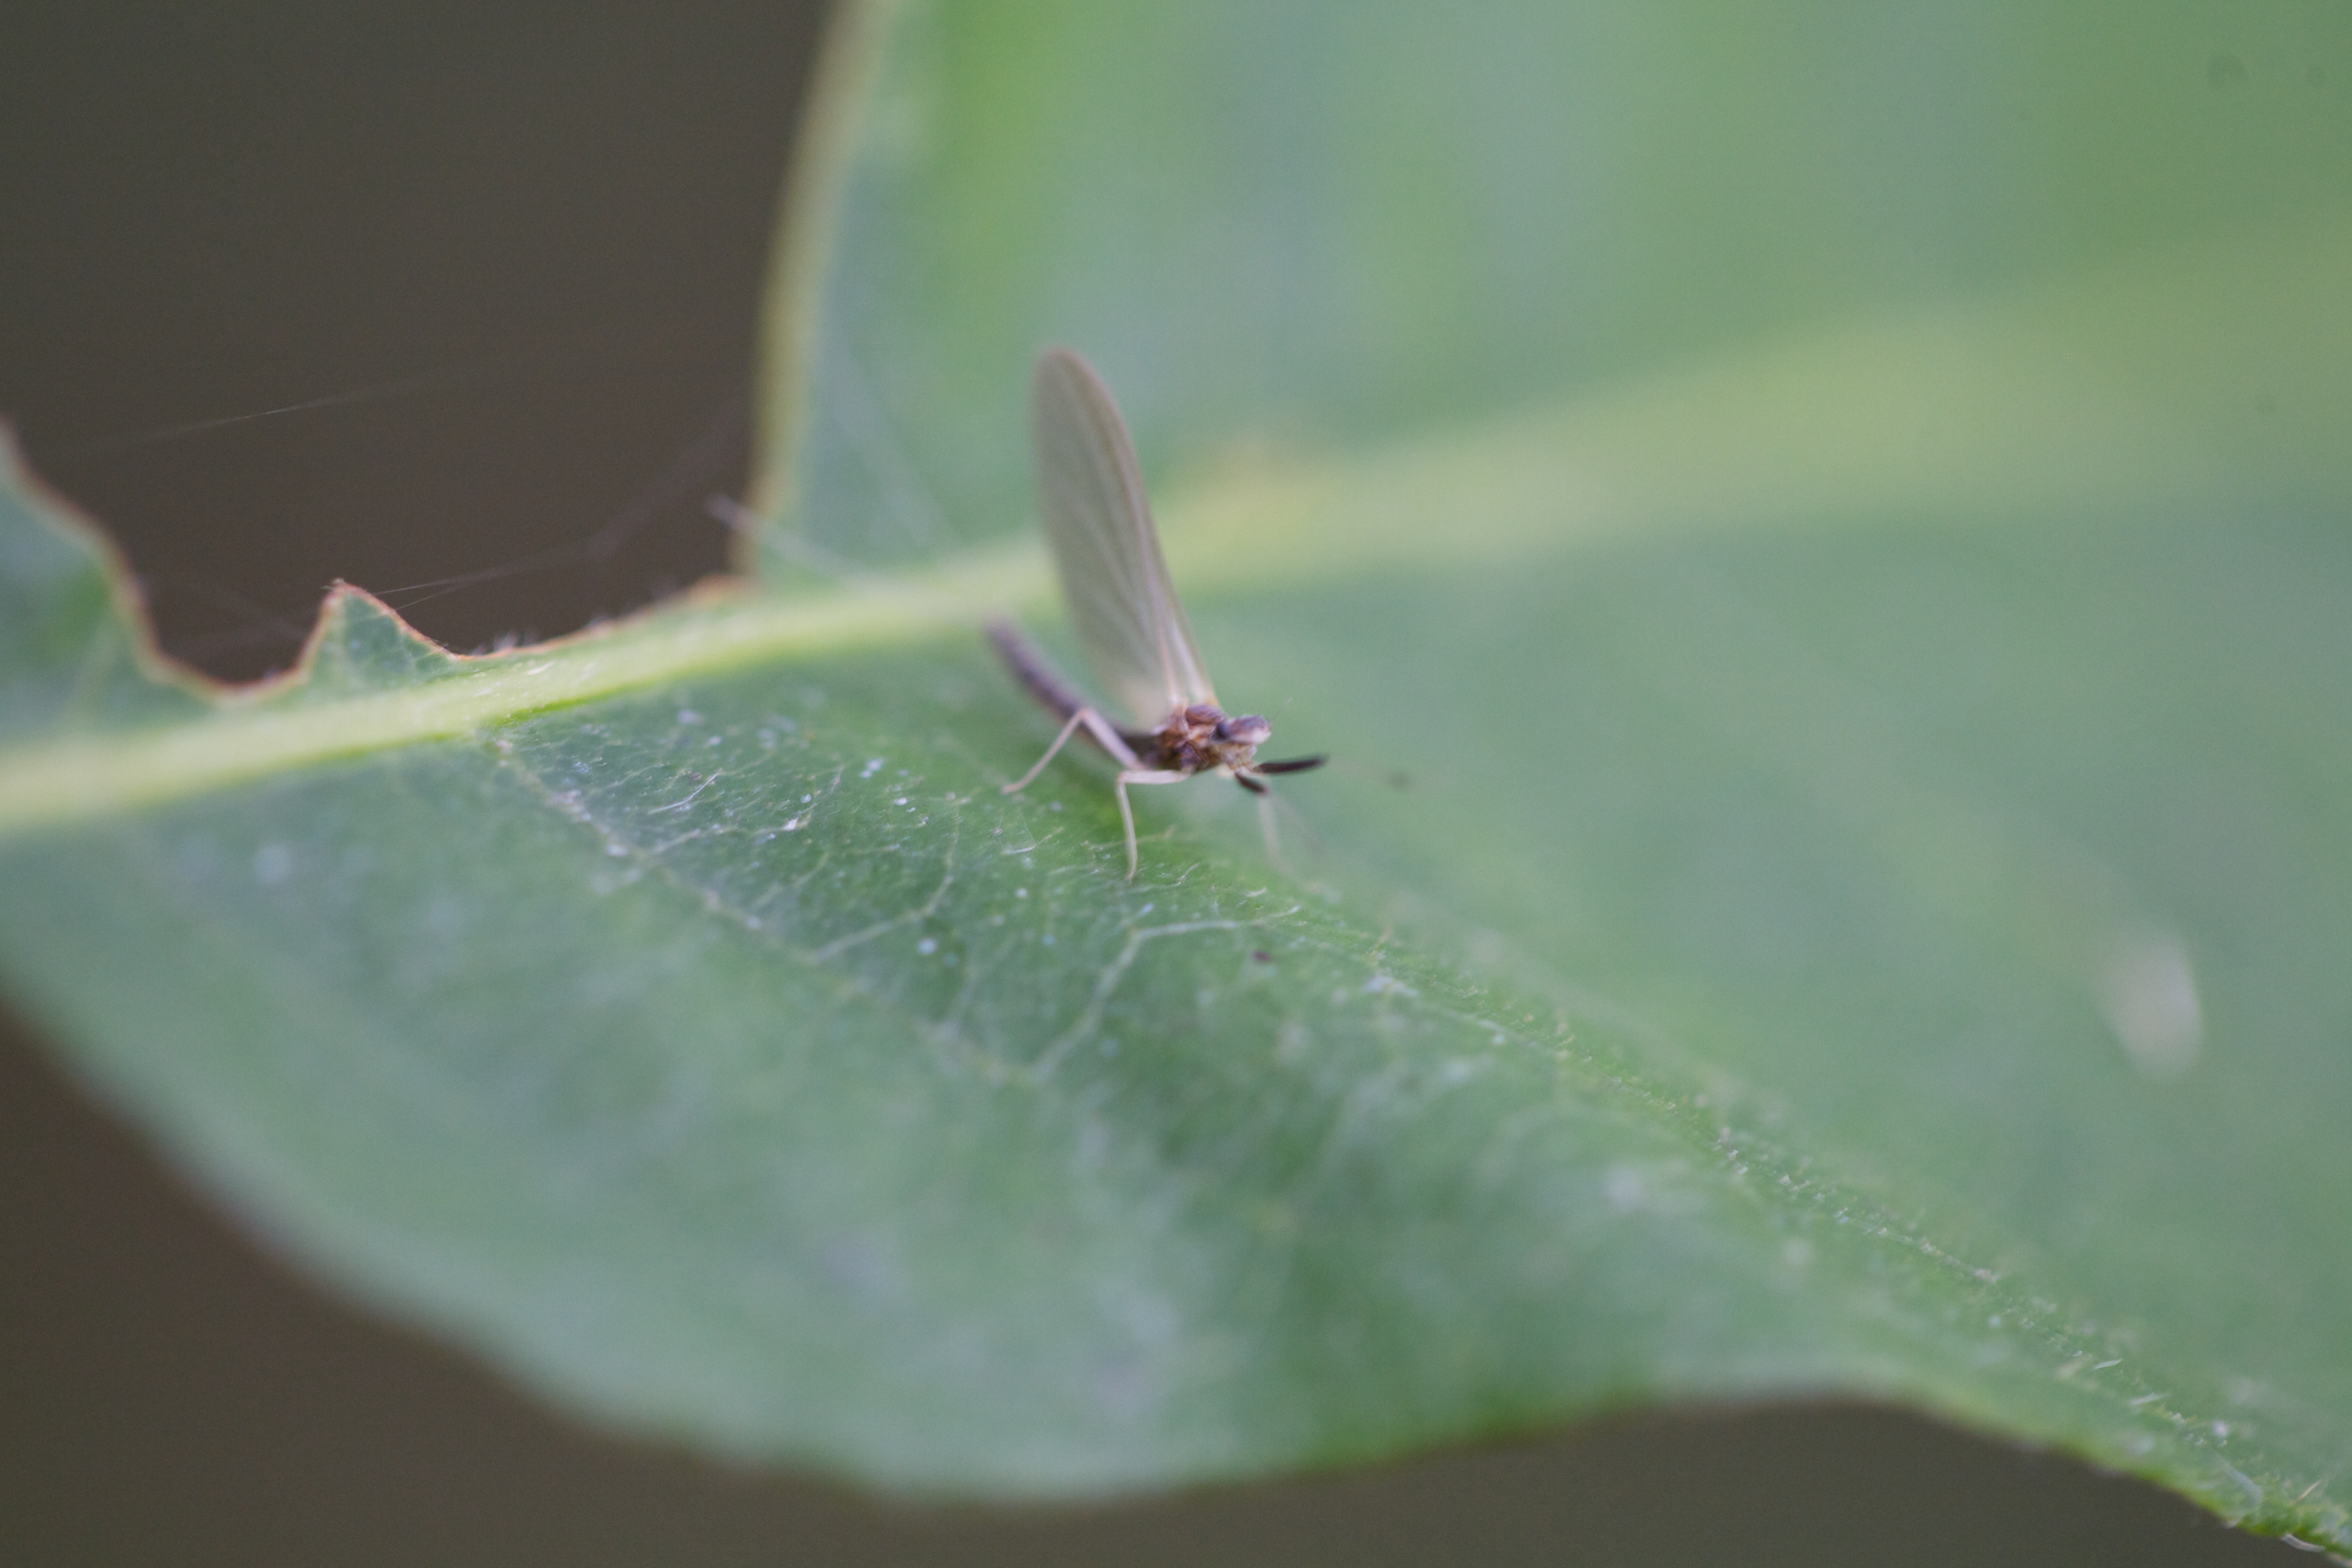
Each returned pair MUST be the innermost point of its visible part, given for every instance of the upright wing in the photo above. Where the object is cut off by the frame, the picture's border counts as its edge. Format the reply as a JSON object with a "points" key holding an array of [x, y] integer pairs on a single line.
{"points": [[1115, 581]]}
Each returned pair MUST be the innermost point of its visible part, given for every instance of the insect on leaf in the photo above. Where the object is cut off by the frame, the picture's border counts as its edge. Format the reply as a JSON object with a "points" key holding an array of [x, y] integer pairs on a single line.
{"points": [[1091, 492]]}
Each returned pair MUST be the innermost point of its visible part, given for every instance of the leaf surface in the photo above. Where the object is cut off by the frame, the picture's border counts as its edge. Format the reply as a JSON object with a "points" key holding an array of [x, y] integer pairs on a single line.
{"points": [[1836, 882]]}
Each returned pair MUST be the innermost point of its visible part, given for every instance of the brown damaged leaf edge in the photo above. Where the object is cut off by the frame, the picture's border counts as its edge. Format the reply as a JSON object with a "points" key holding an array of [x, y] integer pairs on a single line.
{"points": [[235, 733]]}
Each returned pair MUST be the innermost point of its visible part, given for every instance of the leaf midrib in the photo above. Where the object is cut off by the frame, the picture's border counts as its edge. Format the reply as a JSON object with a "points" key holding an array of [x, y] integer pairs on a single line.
{"points": [[1901, 418]]}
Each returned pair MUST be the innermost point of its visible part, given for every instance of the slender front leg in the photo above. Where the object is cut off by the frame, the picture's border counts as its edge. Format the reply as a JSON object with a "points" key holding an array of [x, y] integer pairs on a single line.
{"points": [[1097, 727], [1077, 718], [1127, 812], [1265, 826]]}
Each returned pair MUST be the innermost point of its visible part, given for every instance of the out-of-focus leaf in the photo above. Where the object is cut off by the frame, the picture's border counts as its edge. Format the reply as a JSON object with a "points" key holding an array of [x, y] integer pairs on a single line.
{"points": [[1820, 547]]}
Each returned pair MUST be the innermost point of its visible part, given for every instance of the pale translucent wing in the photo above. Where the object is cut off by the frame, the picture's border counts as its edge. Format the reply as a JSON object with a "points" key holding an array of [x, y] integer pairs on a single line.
{"points": [[1091, 495]]}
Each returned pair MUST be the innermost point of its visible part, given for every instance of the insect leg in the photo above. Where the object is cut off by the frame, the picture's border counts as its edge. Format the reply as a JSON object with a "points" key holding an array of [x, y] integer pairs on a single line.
{"points": [[1269, 807], [1097, 726], [1107, 736], [1127, 812], [1265, 826], [1060, 740]]}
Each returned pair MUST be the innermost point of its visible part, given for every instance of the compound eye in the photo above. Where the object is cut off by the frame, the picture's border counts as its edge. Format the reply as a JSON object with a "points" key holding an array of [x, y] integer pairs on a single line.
{"points": [[1249, 729]]}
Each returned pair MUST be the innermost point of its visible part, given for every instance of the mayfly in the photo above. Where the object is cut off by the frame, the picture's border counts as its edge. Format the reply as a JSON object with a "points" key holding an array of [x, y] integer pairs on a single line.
{"points": [[1090, 492]]}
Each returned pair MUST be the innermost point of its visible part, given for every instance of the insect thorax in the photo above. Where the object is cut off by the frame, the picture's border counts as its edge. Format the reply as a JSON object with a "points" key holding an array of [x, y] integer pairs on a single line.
{"points": [[1201, 737]]}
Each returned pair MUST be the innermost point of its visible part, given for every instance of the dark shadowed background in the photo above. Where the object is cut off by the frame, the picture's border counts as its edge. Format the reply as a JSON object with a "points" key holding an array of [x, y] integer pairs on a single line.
{"points": [[457, 303]]}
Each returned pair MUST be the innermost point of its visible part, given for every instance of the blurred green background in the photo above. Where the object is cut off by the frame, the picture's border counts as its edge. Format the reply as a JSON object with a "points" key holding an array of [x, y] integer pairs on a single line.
{"points": [[511, 260]]}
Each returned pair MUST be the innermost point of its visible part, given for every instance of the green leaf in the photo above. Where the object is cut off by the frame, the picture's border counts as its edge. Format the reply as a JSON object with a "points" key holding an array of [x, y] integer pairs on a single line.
{"points": [[1819, 545]]}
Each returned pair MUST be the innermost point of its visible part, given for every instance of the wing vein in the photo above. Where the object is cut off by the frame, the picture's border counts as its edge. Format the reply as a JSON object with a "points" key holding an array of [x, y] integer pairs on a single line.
{"points": [[1098, 523]]}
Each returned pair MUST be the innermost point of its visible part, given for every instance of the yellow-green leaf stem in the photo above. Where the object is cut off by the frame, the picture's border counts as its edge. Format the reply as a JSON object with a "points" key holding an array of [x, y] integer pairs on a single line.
{"points": [[2013, 408]]}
